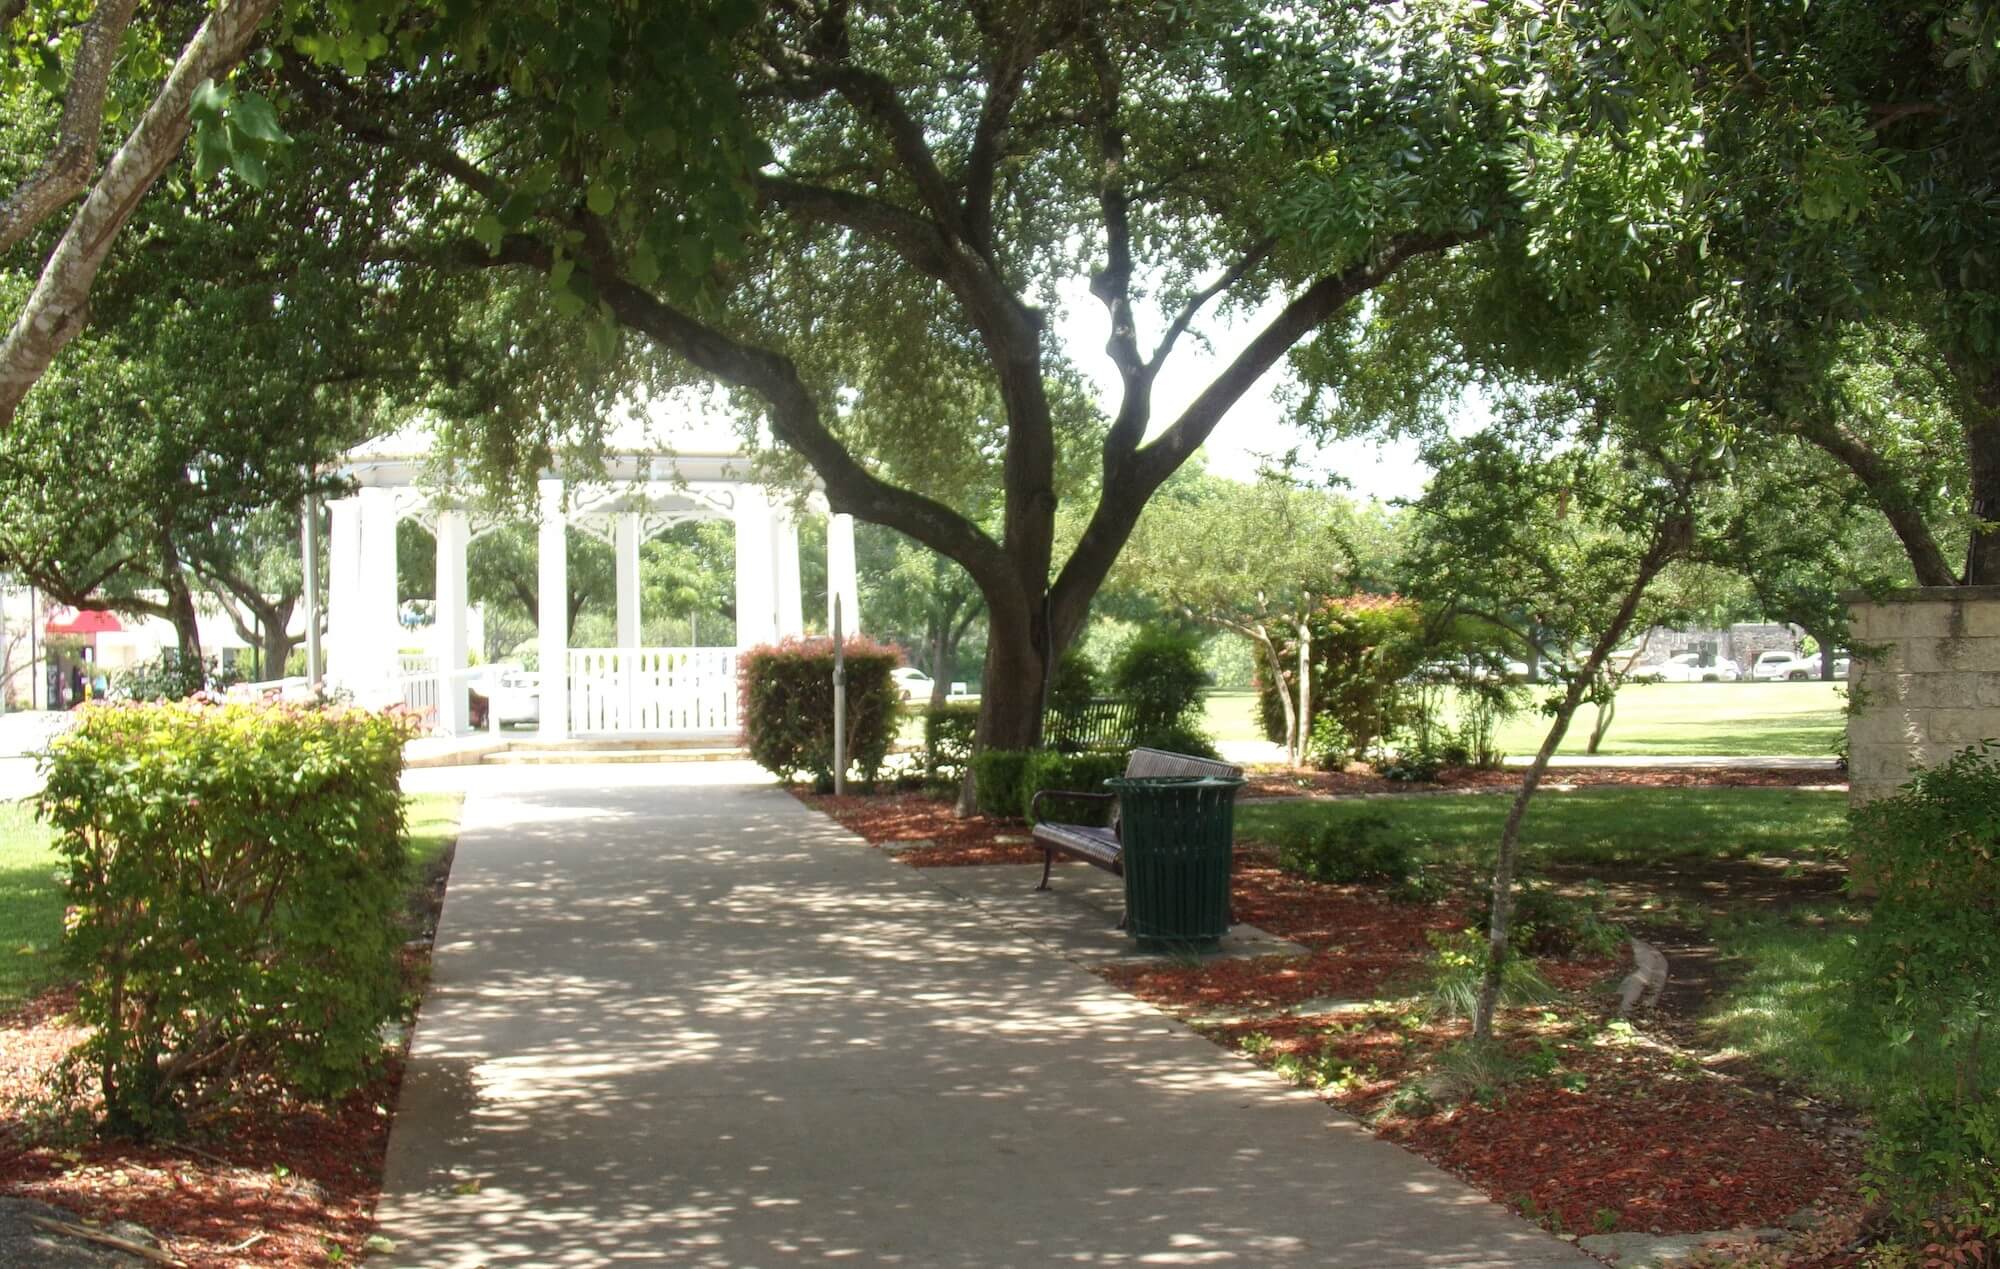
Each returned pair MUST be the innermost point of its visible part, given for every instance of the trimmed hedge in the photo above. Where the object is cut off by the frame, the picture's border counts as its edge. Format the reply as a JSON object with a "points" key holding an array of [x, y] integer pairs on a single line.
{"points": [[785, 692], [1071, 773], [236, 877], [1006, 781], [948, 732], [996, 781]]}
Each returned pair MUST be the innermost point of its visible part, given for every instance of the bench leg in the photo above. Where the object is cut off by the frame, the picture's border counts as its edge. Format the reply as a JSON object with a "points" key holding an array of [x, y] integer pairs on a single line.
{"points": [[1048, 862]]}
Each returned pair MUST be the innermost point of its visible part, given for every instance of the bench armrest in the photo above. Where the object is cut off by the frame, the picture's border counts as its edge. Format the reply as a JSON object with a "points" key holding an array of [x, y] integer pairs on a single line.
{"points": [[1035, 803]]}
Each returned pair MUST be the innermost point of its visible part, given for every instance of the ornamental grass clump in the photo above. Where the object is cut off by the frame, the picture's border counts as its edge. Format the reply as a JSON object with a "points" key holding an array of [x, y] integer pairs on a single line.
{"points": [[236, 874]]}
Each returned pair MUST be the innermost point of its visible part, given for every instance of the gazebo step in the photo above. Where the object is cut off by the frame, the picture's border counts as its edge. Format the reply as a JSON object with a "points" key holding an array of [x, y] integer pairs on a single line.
{"points": [[536, 757]]}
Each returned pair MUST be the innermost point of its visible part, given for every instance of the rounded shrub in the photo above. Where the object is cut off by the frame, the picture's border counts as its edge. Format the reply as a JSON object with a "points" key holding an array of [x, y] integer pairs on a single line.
{"points": [[1161, 675], [236, 878], [785, 695]]}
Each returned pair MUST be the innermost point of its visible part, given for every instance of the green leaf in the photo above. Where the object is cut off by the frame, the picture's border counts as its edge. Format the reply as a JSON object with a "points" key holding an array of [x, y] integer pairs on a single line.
{"points": [[209, 101], [600, 199], [244, 162], [489, 231], [211, 150], [254, 118]]}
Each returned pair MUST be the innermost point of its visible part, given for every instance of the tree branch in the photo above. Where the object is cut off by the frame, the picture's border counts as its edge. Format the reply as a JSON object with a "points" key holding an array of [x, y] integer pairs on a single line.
{"points": [[1890, 494], [68, 169], [1234, 274], [794, 415], [1128, 485], [56, 309]]}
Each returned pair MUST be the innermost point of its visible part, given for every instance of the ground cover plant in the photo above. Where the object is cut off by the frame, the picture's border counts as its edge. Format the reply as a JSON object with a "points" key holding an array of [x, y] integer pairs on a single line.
{"points": [[269, 1180]]}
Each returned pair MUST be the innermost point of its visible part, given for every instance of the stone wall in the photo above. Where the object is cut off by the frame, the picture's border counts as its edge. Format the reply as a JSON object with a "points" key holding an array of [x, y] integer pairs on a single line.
{"points": [[1924, 682], [1739, 643]]}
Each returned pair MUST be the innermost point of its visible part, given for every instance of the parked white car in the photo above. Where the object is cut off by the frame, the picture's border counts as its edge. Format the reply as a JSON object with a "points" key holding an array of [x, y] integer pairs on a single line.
{"points": [[1771, 667], [911, 683], [1686, 667], [516, 696]]}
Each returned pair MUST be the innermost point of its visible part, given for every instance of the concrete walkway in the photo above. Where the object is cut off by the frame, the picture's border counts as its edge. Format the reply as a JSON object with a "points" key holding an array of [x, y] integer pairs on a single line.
{"points": [[678, 1018]]}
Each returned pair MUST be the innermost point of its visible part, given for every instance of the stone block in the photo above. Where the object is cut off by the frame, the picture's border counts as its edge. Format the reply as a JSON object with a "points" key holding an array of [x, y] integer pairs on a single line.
{"points": [[1982, 619], [1889, 723], [1954, 729], [1952, 656], [1868, 622], [1889, 657]]}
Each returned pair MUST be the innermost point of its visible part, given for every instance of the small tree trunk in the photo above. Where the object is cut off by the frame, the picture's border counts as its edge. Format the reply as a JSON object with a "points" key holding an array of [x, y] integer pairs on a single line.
{"points": [[1497, 944], [940, 661], [1284, 695], [1305, 690], [1606, 712]]}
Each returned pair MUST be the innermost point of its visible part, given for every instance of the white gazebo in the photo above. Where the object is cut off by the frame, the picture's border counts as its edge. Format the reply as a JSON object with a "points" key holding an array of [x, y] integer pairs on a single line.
{"points": [[622, 691]]}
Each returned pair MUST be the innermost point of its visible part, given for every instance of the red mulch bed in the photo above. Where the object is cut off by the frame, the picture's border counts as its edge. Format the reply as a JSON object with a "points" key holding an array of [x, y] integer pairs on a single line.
{"points": [[1660, 1150], [286, 1179], [1270, 782], [902, 817]]}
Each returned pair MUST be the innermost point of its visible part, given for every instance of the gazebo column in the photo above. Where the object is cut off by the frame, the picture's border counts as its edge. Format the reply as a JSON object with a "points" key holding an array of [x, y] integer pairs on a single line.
{"points": [[756, 569], [791, 603], [552, 603], [380, 629], [343, 591], [840, 578], [629, 615], [453, 533]]}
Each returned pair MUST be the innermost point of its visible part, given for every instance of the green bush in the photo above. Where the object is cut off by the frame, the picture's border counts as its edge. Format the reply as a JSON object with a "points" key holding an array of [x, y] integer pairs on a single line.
{"points": [[1160, 673], [235, 874], [1075, 683], [1348, 848], [1071, 773], [1927, 980], [996, 781], [785, 692], [948, 733], [172, 677]]}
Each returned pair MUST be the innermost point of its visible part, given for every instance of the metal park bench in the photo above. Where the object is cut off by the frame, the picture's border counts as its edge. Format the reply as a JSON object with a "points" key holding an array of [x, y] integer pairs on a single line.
{"points": [[1101, 847]]}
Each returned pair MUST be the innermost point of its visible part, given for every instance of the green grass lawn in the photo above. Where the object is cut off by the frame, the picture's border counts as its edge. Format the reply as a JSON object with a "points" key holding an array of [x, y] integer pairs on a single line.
{"points": [[1736, 719], [31, 899], [1750, 719], [31, 905], [1593, 826]]}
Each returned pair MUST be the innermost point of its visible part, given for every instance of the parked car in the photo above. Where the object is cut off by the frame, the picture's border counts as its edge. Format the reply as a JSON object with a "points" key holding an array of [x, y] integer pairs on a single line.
{"points": [[1686, 667], [1771, 667], [516, 696], [1841, 663], [912, 683]]}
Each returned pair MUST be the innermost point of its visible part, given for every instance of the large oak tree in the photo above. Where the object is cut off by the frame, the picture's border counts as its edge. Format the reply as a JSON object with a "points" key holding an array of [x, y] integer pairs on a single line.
{"points": [[915, 189]]}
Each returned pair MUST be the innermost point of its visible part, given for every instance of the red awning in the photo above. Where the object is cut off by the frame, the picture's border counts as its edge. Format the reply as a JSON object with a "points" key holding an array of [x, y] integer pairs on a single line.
{"points": [[89, 621]]}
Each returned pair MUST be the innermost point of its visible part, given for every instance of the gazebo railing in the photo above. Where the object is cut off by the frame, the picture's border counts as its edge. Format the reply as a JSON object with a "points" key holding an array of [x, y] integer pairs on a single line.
{"points": [[417, 677], [652, 690]]}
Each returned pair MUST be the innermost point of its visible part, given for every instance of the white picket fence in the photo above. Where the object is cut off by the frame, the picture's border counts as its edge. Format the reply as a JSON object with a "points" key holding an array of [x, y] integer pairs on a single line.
{"points": [[636, 691]]}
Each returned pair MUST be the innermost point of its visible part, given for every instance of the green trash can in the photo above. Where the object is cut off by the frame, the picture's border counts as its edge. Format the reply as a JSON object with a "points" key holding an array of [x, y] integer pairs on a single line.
{"points": [[1177, 833]]}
